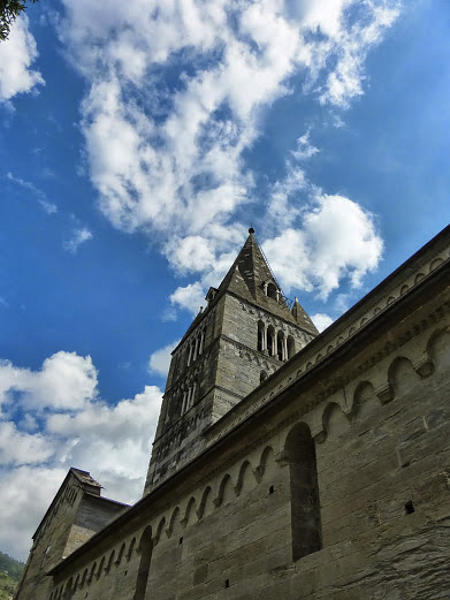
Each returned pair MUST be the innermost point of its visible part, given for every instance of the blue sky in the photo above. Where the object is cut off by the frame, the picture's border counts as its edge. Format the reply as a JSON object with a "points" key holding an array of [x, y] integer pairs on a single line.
{"points": [[138, 142]]}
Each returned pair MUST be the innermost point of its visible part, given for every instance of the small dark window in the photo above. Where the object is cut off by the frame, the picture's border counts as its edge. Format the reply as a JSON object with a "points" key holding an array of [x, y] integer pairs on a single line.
{"points": [[272, 291], [261, 336], [180, 541], [227, 583], [271, 489], [409, 508]]}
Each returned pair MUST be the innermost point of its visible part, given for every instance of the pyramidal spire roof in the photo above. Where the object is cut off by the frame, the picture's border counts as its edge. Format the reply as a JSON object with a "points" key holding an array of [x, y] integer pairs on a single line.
{"points": [[251, 278]]}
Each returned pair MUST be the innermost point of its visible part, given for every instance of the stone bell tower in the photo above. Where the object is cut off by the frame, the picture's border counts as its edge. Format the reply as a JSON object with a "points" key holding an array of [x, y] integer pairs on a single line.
{"points": [[246, 332]]}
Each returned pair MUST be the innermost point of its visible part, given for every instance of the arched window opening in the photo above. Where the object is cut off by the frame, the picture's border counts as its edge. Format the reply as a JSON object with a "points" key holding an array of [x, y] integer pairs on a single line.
{"points": [[189, 358], [272, 291], [146, 549], [262, 376], [280, 345], [271, 340], [290, 346], [261, 336], [305, 506]]}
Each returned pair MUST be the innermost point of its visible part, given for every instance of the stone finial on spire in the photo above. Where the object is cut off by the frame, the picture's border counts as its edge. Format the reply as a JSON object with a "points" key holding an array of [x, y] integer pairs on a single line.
{"points": [[251, 231]]}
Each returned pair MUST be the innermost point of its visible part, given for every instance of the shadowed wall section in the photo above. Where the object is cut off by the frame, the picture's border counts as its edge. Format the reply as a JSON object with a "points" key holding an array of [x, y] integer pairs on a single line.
{"points": [[305, 506], [146, 547]]}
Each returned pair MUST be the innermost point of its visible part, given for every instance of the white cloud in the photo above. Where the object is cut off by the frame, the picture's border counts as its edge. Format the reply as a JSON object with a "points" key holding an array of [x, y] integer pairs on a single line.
{"points": [[337, 239], [17, 447], [16, 57], [304, 148], [79, 236], [168, 158], [66, 381], [321, 321], [25, 494], [53, 419], [190, 297], [160, 360], [191, 253], [49, 207]]}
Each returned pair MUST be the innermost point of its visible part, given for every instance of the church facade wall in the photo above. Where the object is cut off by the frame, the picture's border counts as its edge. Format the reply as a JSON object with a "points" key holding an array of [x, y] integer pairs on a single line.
{"points": [[378, 472]]}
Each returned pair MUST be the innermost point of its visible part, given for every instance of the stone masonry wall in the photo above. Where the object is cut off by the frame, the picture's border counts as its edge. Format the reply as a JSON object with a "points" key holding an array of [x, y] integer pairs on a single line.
{"points": [[383, 470], [240, 363]]}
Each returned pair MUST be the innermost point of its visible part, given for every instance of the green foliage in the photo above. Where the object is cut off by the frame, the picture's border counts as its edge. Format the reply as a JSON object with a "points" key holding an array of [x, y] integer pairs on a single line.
{"points": [[10, 573], [11, 567], [9, 10], [7, 587]]}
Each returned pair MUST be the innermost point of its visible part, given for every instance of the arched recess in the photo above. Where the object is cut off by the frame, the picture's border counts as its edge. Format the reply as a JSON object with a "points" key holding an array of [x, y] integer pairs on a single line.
{"points": [[266, 467], [69, 591], [245, 478], [262, 376], [174, 519], [438, 348], [365, 402], [189, 515], [305, 506], [159, 530], [130, 549], [280, 345], [146, 550], [92, 571], [435, 263], [101, 567], [206, 504], [272, 290], [120, 555], [402, 376], [334, 421], [225, 493]]}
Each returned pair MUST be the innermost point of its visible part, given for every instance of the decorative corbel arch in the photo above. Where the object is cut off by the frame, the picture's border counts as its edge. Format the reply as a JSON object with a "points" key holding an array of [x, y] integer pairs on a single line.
{"points": [[201, 509], [226, 480], [190, 509], [240, 480]]}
